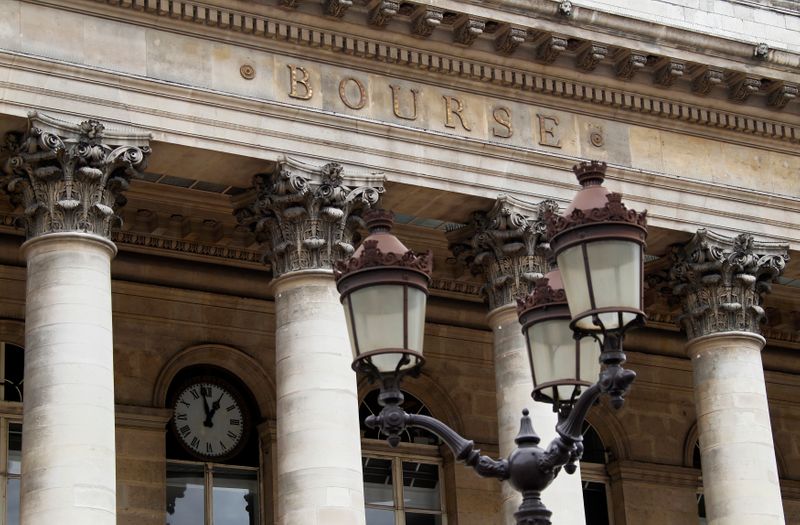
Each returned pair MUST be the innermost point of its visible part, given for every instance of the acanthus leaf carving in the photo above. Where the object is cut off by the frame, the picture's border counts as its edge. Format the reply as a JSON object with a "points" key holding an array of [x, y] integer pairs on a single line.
{"points": [[590, 57], [509, 40], [705, 81], [428, 19], [669, 72], [740, 90], [306, 216], [629, 64], [383, 12], [468, 30], [337, 8], [507, 247], [67, 177], [782, 95], [720, 281], [549, 50]]}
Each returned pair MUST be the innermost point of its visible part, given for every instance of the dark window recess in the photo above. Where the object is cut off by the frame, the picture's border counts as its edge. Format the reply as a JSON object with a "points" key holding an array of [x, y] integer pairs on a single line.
{"points": [[412, 405], [594, 451], [13, 366], [595, 503]]}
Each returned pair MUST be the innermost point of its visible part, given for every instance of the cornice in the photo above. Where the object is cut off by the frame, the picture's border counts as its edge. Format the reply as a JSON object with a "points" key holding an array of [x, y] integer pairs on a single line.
{"points": [[277, 28]]}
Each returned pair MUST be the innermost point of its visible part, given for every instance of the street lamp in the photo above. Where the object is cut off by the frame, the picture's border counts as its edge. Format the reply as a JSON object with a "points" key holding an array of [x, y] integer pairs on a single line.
{"points": [[598, 244]]}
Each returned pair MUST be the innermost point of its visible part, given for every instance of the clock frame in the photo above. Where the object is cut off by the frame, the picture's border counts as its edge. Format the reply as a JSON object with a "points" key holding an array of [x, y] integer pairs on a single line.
{"points": [[185, 402]]}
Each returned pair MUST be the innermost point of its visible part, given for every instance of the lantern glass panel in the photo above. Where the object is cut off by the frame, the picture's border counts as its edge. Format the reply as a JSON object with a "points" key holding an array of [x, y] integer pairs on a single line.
{"points": [[590, 360], [416, 318], [615, 267], [378, 323], [553, 355]]}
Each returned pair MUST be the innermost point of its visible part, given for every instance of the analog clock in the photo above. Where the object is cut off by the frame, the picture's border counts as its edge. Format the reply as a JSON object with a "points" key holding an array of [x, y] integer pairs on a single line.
{"points": [[210, 419]]}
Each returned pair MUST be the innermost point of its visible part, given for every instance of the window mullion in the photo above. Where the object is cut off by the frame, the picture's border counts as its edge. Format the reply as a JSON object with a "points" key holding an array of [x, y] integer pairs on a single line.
{"points": [[209, 500], [399, 503]]}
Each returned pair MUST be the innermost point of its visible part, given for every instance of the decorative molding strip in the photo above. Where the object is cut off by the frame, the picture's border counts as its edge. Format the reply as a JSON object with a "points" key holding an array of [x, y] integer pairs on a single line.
{"points": [[423, 22]]}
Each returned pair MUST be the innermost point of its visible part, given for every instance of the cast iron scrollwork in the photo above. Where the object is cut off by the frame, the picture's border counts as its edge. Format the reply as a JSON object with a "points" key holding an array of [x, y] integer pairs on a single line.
{"points": [[529, 468]]}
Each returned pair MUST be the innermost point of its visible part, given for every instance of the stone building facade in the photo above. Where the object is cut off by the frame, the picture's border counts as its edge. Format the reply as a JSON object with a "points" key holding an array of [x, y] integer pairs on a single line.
{"points": [[179, 176]]}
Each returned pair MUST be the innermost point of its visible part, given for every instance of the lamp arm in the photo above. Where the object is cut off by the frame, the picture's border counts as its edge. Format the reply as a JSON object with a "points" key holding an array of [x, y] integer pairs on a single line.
{"points": [[393, 420], [463, 449]]}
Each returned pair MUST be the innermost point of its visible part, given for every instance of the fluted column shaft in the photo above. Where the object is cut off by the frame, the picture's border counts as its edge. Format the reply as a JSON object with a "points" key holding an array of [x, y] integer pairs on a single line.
{"points": [[564, 497], [68, 453], [740, 474]]}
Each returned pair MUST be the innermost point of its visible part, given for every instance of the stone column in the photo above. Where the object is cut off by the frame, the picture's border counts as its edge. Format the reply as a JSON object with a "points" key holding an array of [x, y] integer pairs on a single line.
{"points": [[305, 217], [68, 181], [721, 281], [508, 249]]}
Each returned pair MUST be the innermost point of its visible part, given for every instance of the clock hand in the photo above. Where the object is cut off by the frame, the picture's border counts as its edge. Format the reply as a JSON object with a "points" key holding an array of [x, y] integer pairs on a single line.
{"points": [[214, 407]]}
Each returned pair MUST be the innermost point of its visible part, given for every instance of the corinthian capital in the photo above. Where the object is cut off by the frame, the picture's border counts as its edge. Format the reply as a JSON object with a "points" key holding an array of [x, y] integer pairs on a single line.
{"points": [[306, 215], [507, 245], [721, 280], [69, 177]]}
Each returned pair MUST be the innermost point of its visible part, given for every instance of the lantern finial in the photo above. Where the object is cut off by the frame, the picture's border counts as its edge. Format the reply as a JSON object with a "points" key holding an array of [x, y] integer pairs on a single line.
{"points": [[590, 173]]}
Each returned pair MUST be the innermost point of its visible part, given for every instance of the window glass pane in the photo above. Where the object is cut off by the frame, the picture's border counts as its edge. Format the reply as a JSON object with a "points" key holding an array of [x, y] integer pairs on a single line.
{"points": [[421, 486], [416, 518], [13, 359], [595, 504], [12, 502], [380, 517], [14, 448], [378, 482], [185, 491], [235, 497]]}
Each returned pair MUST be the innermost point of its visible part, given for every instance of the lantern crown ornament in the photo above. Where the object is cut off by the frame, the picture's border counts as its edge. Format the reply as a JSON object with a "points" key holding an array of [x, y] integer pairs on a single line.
{"points": [[384, 289], [598, 244]]}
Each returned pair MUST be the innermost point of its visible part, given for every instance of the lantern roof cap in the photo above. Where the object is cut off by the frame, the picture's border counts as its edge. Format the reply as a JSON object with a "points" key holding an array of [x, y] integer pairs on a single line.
{"points": [[381, 249]]}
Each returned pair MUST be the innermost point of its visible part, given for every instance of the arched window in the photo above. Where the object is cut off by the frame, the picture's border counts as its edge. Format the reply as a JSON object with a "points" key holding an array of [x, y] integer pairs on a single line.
{"points": [[596, 493], [213, 458], [11, 393], [402, 486]]}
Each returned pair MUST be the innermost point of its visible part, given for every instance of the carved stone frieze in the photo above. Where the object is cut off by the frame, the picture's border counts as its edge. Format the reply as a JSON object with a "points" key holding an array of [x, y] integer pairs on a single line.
{"points": [[590, 56], [509, 40], [337, 8], [628, 64], [669, 72], [69, 177], [741, 89], [427, 19], [383, 12], [468, 30], [720, 281], [707, 80], [306, 215], [782, 95], [549, 50], [506, 246]]}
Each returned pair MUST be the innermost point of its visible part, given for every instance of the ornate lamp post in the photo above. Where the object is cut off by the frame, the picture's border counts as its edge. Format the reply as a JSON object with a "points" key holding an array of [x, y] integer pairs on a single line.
{"points": [[598, 244]]}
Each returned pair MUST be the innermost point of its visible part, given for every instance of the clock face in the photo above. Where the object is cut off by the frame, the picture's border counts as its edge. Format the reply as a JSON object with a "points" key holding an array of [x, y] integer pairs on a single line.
{"points": [[209, 419]]}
